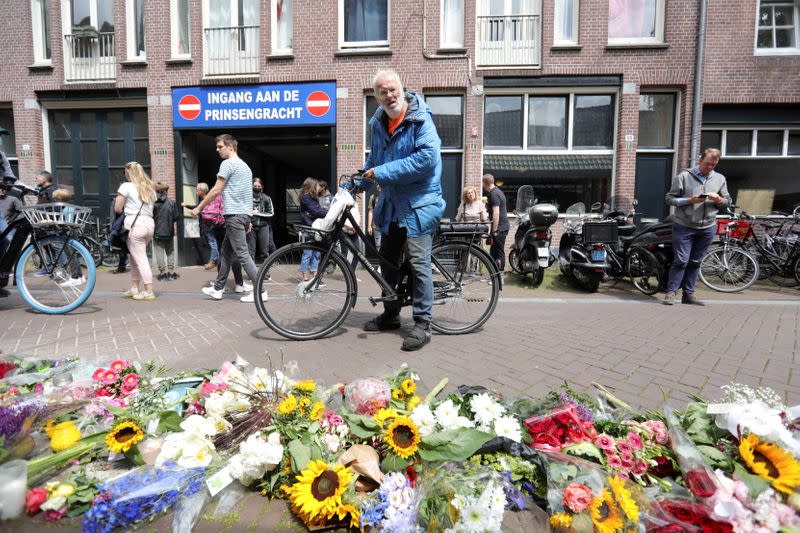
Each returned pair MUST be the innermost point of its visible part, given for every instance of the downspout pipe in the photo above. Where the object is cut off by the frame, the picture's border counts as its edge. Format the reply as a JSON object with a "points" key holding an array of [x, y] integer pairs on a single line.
{"points": [[697, 100]]}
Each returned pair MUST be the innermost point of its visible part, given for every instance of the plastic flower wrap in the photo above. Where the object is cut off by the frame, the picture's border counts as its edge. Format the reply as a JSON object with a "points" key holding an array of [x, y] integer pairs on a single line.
{"points": [[697, 475], [392, 508], [561, 427], [257, 455], [367, 396], [141, 494]]}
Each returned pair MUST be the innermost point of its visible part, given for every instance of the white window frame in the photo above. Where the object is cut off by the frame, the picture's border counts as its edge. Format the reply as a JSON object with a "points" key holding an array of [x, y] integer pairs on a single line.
{"points": [[640, 41], [175, 31], [559, 40], [38, 27], [276, 49], [361, 45], [443, 43], [773, 51], [130, 26], [754, 140], [675, 126]]}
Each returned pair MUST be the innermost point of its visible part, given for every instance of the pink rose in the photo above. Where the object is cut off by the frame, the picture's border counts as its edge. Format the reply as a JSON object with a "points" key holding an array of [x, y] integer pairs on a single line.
{"points": [[333, 419], [604, 442], [626, 457], [614, 461], [54, 516], [612, 452], [635, 441], [38, 388], [662, 437], [36, 497], [119, 365], [624, 447], [627, 465], [577, 497], [639, 468], [98, 374]]}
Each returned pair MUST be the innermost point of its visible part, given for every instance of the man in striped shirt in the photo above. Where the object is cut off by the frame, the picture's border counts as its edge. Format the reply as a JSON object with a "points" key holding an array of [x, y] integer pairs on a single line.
{"points": [[234, 181]]}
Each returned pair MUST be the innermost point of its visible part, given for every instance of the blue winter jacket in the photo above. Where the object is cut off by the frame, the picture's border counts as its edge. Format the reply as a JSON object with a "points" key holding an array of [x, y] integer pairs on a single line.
{"points": [[408, 167]]}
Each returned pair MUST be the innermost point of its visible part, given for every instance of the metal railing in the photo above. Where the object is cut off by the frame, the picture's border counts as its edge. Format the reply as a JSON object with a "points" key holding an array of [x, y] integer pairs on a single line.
{"points": [[513, 40], [90, 57], [231, 51]]}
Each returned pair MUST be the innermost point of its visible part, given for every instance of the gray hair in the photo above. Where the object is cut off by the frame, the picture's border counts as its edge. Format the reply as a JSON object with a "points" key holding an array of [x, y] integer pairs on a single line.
{"points": [[385, 73], [203, 186]]}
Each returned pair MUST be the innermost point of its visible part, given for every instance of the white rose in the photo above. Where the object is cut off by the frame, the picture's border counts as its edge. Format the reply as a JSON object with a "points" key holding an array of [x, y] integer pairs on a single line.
{"points": [[199, 425]]}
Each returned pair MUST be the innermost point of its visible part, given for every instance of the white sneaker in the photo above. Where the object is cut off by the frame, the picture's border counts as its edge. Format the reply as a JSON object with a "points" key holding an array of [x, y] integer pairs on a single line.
{"points": [[212, 292], [73, 282], [250, 298], [244, 287]]}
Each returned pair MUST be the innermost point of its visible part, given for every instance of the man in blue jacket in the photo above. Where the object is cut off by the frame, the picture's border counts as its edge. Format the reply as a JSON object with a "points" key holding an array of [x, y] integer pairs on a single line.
{"points": [[406, 162]]}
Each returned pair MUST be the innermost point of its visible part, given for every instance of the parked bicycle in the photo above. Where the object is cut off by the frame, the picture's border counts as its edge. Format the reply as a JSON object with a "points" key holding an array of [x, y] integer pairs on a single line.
{"points": [[466, 282], [54, 273]]}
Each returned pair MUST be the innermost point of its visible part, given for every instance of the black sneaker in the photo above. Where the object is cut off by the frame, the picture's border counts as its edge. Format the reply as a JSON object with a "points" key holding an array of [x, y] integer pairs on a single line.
{"points": [[119, 270], [173, 276], [382, 322], [419, 336], [688, 298], [160, 277]]}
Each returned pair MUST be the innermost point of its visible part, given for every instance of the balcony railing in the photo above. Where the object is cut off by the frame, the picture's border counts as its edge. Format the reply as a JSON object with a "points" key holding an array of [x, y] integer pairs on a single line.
{"points": [[509, 41], [231, 51], [89, 57]]}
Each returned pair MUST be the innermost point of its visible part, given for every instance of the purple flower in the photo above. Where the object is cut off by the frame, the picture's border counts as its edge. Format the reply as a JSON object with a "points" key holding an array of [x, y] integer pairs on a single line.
{"points": [[584, 412], [13, 417]]}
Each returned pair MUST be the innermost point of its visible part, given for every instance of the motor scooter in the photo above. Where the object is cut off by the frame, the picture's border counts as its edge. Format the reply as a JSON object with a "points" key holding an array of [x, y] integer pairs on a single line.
{"points": [[530, 252], [582, 251]]}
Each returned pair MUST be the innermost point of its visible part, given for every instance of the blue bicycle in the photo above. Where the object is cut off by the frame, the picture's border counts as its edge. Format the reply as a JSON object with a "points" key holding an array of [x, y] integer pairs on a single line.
{"points": [[54, 273]]}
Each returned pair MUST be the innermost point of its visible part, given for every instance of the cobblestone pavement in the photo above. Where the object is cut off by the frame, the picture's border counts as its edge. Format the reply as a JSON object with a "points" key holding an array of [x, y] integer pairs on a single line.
{"points": [[646, 353]]}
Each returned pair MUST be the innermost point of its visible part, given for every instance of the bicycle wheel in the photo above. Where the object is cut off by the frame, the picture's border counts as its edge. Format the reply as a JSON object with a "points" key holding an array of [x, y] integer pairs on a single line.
{"points": [[55, 277], [645, 272], [728, 270], [513, 261], [797, 268], [294, 309], [466, 287], [782, 275], [95, 249]]}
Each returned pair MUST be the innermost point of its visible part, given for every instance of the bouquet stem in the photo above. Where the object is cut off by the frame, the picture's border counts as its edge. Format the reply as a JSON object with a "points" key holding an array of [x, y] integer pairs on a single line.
{"points": [[39, 467]]}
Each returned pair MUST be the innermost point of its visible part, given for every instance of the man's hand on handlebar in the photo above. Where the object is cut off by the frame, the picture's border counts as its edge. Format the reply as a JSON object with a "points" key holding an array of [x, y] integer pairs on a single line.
{"points": [[369, 174]]}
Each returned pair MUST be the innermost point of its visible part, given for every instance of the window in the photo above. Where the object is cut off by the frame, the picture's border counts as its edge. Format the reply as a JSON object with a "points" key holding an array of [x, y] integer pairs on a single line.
{"points": [[769, 142], [710, 139], [594, 122], [41, 31], [750, 143], [635, 22], [452, 24], [282, 13], [370, 106], [778, 26], [508, 33], [502, 122], [363, 23], [793, 146], [565, 23], [180, 29], [739, 143], [656, 121], [547, 122], [8, 143], [93, 14], [231, 37], [135, 18], [448, 116]]}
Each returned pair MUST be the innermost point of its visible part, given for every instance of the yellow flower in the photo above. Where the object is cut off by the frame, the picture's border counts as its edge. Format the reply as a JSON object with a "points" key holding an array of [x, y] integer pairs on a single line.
{"points": [[605, 515], [402, 436], [349, 509], [316, 497], [624, 499], [288, 405], [48, 428], [64, 489], [317, 410], [384, 414], [771, 462], [64, 436], [123, 436], [408, 386], [397, 394], [561, 520], [303, 403], [307, 385], [413, 402]]}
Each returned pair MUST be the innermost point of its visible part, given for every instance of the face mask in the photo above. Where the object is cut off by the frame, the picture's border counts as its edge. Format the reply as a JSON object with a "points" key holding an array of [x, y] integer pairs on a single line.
{"points": [[256, 191]]}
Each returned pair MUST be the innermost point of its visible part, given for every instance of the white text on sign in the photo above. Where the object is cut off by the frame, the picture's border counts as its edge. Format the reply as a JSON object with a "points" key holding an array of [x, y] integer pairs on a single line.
{"points": [[246, 97]]}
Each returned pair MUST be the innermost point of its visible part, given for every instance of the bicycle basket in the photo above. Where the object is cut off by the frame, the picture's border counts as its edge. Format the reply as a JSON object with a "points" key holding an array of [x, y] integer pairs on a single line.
{"points": [[738, 230], [57, 214]]}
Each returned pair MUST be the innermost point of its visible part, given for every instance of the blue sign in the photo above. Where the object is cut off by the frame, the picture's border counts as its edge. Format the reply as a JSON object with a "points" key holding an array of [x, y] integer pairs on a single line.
{"points": [[294, 104]]}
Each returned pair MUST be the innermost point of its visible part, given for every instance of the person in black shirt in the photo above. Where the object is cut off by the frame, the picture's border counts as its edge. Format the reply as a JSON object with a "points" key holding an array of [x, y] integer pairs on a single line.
{"points": [[44, 181], [258, 240], [499, 216]]}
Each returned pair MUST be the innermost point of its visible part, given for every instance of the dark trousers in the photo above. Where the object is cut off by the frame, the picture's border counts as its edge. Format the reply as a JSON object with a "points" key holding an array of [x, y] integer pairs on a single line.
{"points": [[355, 241], [497, 249], [418, 251], [689, 246], [235, 265], [258, 242]]}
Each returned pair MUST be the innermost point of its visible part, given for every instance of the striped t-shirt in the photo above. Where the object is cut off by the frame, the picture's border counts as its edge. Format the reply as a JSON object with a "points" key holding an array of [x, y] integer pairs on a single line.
{"points": [[237, 196]]}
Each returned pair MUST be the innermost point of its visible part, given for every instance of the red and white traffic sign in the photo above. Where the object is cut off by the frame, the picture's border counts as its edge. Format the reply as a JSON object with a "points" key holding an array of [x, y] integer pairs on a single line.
{"points": [[318, 103], [189, 107]]}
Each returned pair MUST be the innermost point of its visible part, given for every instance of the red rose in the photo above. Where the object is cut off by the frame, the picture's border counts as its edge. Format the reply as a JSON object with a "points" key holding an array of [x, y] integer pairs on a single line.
{"points": [[712, 526], [545, 425], [671, 528], [700, 483], [544, 439], [566, 415], [575, 435], [36, 497], [53, 516], [663, 468], [589, 430], [683, 511]]}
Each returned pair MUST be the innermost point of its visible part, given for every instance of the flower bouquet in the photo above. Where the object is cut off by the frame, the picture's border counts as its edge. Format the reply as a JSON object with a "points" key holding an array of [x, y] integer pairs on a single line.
{"points": [[118, 382], [697, 475], [559, 428], [25, 375], [322, 496], [392, 507], [57, 499]]}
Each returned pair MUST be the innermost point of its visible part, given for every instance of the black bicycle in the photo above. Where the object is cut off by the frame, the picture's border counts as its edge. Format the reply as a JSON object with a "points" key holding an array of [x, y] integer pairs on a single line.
{"points": [[466, 282]]}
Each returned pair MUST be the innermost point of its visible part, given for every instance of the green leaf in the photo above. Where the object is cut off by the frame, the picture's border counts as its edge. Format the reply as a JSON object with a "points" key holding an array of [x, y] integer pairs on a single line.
{"points": [[584, 449], [362, 427], [169, 421], [582, 523], [394, 463], [755, 485], [453, 445], [300, 454]]}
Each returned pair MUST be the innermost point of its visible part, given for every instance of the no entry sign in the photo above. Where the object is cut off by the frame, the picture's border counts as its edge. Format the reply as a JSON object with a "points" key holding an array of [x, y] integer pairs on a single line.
{"points": [[189, 107], [318, 103]]}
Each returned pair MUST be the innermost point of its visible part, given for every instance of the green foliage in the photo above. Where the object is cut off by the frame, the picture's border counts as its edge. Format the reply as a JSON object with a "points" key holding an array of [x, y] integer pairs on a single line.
{"points": [[584, 449], [394, 463], [454, 445], [755, 484], [169, 421], [300, 454], [363, 427], [519, 468]]}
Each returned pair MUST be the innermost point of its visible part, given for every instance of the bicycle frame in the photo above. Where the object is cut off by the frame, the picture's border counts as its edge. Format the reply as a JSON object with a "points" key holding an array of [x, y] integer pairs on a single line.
{"points": [[774, 259], [17, 245]]}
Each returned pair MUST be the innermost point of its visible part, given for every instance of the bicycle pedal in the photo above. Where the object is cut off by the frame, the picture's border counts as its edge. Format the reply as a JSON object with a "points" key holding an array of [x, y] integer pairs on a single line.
{"points": [[373, 301]]}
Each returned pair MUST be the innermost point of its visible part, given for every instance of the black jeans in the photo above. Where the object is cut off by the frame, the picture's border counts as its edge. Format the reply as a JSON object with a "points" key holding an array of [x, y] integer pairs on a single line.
{"points": [[497, 249], [258, 242], [219, 233]]}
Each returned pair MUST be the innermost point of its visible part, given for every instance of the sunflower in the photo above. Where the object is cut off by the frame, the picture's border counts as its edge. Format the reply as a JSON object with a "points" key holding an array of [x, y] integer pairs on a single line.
{"points": [[304, 403], [317, 496], [288, 405], [307, 385], [561, 520], [123, 436], [771, 462], [605, 515], [624, 499], [317, 410], [384, 414], [408, 386], [349, 509], [413, 402], [398, 395], [402, 436]]}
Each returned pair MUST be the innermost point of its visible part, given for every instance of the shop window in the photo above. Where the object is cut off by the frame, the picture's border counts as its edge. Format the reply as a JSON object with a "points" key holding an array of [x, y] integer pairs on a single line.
{"points": [[594, 122], [710, 139], [739, 143], [363, 23], [778, 26], [282, 27], [656, 121], [547, 122], [452, 24], [40, 19], [565, 23], [769, 142], [180, 28], [135, 18], [635, 22], [794, 142], [502, 122]]}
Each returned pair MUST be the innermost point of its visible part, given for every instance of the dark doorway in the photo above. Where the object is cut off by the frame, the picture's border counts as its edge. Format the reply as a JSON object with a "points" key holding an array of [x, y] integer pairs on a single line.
{"points": [[653, 179]]}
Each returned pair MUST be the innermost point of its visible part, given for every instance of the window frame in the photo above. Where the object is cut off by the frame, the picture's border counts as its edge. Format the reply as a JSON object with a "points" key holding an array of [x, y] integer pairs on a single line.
{"points": [[773, 50], [130, 27], [443, 43], [675, 124], [175, 31], [657, 39], [365, 45], [276, 49], [40, 22], [753, 130], [561, 42]]}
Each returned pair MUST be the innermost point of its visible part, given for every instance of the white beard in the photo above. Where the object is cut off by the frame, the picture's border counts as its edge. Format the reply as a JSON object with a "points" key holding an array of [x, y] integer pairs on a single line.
{"points": [[394, 110]]}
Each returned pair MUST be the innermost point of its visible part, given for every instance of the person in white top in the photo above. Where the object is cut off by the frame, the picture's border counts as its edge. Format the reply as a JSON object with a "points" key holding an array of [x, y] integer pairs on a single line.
{"points": [[471, 208], [136, 198]]}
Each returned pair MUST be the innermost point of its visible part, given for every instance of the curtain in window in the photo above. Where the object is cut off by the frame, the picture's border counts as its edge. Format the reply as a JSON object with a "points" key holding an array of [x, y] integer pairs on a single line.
{"points": [[139, 18], [365, 20], [453, 22], [564, 15], [183, 26], [631, 18], [283, 16]]}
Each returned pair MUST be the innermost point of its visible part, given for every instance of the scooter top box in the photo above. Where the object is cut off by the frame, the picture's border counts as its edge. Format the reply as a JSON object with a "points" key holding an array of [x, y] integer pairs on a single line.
{"points": [[543, 214]]}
